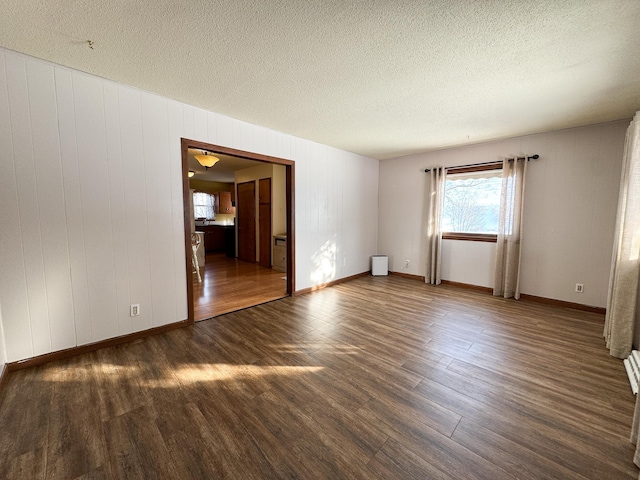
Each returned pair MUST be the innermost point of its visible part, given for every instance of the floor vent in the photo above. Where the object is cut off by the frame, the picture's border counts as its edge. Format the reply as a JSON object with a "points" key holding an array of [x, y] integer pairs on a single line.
{"points": [[632, 366]]}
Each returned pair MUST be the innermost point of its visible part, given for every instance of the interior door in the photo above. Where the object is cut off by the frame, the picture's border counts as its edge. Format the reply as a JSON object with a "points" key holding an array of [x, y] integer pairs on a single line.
{"points": [[246, 218], [264, 221]]}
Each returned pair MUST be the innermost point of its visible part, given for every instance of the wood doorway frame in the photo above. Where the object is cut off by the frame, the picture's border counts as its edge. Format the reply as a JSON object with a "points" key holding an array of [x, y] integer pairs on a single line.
{"points": [[290, 205]]}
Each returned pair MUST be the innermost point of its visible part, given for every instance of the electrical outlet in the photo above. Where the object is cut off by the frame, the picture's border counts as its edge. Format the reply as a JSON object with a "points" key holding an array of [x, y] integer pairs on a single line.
{"points": [[579, 287], [135, 310], [406, 264]]}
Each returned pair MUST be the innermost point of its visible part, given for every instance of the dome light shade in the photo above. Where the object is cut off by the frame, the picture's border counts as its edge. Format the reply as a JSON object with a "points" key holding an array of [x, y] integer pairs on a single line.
{"points": [[206, 160], [191, 173]]}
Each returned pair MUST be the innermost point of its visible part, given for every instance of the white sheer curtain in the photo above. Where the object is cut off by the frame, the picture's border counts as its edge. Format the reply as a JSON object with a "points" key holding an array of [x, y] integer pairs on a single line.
{"points": [[508, 247], [436, 182], [622, 322], [204, 205]]}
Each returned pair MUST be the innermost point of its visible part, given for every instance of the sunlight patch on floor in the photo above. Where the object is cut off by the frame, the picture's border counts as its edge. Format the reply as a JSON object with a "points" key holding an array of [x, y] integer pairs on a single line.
{"points": [[221, 372]]}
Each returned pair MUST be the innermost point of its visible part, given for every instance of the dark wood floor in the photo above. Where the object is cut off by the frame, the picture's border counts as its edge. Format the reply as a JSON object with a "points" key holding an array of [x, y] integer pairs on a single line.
{"points": [[229, 284], [378, 378]]}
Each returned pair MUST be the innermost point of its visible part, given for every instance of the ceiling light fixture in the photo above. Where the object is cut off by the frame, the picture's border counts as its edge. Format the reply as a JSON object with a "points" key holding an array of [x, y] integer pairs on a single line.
{"points": [[191, 173], [206, 160]]}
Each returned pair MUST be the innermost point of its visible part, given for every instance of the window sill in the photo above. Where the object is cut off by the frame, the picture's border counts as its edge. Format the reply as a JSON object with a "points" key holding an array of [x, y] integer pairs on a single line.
{"points": [[471, 237]]}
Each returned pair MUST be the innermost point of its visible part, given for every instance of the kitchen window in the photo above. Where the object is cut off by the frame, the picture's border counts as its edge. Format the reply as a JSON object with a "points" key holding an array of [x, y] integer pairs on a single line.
{"points": [[472, 203], [204, 205]]}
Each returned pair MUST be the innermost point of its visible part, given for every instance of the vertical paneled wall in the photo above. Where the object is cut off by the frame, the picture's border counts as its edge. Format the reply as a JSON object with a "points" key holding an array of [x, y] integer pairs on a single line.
{"points": [[335, 221], [570, 208], [91, 205], [3, 353]]}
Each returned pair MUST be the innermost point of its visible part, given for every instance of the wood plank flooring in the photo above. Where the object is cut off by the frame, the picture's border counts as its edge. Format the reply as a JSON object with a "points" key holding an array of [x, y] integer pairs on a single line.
{"points": [[229, 284], [377, 378]]}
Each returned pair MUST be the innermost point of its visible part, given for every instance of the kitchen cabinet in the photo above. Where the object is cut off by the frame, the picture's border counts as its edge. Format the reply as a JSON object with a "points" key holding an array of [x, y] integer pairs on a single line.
{"points": [[219, 238], [230, 241], [223, 203], [213, 238]]}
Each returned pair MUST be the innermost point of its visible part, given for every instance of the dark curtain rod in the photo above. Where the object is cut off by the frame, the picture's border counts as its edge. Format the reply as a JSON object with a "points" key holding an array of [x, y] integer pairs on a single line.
{"points": [[530, 157]]}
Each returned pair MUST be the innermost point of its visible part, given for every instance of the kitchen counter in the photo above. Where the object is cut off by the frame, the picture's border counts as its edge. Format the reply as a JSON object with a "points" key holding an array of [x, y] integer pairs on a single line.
{"points": [[219, 238], [216, 223]]}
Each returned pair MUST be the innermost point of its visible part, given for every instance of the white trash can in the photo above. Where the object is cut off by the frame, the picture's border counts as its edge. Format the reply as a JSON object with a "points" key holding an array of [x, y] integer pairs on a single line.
{"points": [[379, 265]]}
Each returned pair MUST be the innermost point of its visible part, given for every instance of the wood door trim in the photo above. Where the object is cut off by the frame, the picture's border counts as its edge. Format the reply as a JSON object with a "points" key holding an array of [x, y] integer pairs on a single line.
{"points": [[268, 241], [290, 206], [3, 376], [236, 153], [186, 202], [291, 231]]}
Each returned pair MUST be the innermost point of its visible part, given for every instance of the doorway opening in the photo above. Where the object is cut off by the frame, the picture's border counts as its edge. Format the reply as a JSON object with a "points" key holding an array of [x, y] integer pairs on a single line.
{"points": [[239, 228]]}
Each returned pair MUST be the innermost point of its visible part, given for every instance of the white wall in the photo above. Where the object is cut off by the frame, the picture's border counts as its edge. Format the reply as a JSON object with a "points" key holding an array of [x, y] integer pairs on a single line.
{"points": [[570, 207], [336, 214], [468, 262], [91, 204], [3, 349]]}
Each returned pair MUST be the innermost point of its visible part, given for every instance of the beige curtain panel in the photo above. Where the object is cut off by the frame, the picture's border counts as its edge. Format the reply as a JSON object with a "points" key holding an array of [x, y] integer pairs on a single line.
{"points": [[635, 434], [508, 247], [435, 191], [621, 321]]}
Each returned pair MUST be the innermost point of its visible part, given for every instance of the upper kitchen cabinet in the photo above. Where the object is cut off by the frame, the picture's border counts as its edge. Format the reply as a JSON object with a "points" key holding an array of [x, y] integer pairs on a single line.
{"points": [[223, 203]]}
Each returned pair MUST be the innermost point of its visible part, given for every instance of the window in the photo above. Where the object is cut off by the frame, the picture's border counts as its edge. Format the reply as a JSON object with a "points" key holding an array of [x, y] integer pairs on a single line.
{"points": [[472, 204], [203, 205]]}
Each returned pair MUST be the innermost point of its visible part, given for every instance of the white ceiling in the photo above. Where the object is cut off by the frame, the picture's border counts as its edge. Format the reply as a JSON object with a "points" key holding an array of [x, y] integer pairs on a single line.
{"points": [[382, 78]]}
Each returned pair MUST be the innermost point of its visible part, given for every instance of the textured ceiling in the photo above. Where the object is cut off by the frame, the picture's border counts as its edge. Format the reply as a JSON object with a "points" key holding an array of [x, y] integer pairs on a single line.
{"points": [[379, 77]]}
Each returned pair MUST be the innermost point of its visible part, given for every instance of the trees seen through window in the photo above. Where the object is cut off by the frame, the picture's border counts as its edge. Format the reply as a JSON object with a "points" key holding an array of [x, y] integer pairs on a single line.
{"points": [[472, 202]]}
